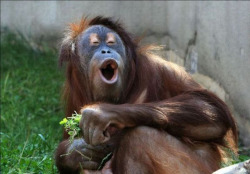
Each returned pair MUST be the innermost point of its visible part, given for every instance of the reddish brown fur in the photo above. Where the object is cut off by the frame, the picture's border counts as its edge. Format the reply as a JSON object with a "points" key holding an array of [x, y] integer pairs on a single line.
{"points": [[78, 28], [170, 90]]}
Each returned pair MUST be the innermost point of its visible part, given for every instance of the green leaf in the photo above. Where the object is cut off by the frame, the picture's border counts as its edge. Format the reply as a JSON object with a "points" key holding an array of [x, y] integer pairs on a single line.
{"points": [[71, 125], [64, 121]]}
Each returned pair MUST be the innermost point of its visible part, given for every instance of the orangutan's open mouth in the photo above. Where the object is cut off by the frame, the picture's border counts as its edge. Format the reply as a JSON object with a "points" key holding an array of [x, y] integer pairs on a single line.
{"points": [[109, 71]]}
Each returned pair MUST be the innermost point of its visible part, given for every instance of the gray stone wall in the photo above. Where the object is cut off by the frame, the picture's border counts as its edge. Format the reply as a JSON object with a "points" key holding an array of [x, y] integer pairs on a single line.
{"points": [[219, 32]]}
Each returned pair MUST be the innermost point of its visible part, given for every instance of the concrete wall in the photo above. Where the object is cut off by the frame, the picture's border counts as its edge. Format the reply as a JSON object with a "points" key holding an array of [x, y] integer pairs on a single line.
{"points": [[220, 32]]}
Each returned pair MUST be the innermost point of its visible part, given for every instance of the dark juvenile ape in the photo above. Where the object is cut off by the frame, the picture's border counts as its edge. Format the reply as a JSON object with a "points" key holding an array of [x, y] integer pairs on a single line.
{"points": [[149, 112]]}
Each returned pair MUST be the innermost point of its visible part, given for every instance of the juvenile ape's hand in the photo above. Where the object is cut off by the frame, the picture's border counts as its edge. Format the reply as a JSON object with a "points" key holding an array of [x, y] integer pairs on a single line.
{"points": [[82, 155]]}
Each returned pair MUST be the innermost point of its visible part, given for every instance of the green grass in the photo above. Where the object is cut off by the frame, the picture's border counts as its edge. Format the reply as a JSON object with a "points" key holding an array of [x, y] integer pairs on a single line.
{"points": [[31, 83]]}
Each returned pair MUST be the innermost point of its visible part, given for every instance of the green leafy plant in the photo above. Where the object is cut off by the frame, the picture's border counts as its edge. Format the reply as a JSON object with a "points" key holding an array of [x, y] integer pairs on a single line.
{"points": [[71, 125]]}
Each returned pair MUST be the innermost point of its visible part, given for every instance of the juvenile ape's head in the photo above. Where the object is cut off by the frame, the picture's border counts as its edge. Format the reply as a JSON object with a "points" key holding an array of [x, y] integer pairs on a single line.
{"points": [[100, 52]]}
